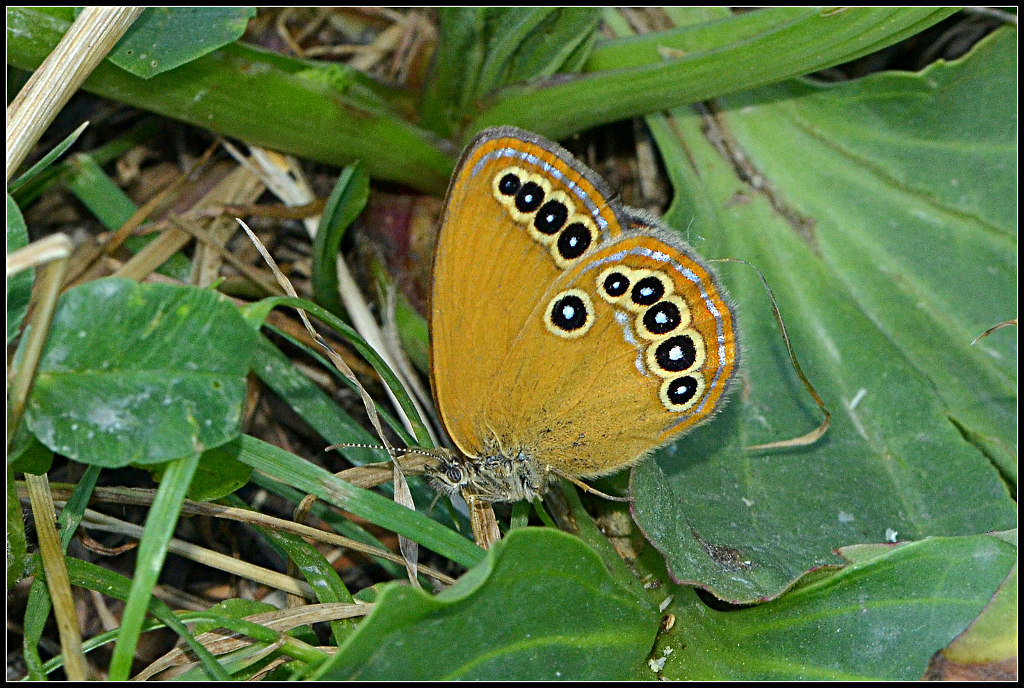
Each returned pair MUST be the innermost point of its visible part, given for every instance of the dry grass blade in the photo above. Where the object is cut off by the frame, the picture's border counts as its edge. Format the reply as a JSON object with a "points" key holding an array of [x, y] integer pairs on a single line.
{"points": [[998, 326], [273, 579], [52, 253], [219, 642], [144, 497], [84, 46], [57, 581], [371, 409]]}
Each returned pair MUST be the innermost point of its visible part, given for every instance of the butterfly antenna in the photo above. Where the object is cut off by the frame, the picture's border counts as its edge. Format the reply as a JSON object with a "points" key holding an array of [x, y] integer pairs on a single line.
{"points": [[814, 435]]}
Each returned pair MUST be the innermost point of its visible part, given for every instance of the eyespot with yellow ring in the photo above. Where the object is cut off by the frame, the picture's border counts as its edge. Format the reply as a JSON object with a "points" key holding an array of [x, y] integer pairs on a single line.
{"points": [[529, 198], [613, 284], [649, 287], [576, 238], [679, 394], [569, 314], [507, 182], [664, 317], [551, 217], [676, 354]]}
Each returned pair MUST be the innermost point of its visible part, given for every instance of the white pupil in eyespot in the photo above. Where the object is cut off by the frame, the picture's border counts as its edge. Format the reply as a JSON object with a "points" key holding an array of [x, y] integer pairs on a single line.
{"points": [[676, 353], [646, 291], [568, 312], [660, 318]]}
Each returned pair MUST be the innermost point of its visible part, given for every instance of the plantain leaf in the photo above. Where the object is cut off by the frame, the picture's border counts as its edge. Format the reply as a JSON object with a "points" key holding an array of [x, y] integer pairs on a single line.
{"points": [[881, 617], [882, 213], [540, 607]]}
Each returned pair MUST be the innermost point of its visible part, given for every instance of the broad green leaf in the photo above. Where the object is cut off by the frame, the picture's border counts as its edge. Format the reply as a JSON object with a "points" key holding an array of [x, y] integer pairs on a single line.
{"points": [[163, 38], [19, 286], [27, 454], [634, 76], [992, 637], [540, 607], [140, 373], [889, 250], [877, 619]]}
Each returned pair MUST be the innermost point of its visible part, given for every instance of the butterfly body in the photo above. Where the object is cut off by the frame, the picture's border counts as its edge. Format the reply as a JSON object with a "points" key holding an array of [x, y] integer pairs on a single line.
{"points": [[570, 336]]}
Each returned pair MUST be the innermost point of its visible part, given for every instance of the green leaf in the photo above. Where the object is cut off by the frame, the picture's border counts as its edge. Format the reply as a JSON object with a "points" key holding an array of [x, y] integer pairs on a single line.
{"points": [[329, 113], [880, 618], [104, 198], [163, 38], [27, 454], [160, 524], [312, 479], [483, 49], [992, 637], [16, 547], [47, 160], [346, 202], [93, 577], [140, 373], [885, 270], [234, 608], [634, 76], [218, 474], [540, 607], [19, 286]]}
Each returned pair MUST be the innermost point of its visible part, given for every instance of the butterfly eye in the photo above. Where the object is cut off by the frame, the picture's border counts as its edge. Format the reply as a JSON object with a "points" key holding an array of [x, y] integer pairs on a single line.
{"points": [[453, 473]]}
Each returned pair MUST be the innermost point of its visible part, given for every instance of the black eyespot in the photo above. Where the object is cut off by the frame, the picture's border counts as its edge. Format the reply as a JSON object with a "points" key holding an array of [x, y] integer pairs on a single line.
{"points": [[676, 354], [662, 318], [647, 291], [574, 241], [509, 184], [550, 218], [569, 313], [681, 390], [616, 284], [529, 197]]}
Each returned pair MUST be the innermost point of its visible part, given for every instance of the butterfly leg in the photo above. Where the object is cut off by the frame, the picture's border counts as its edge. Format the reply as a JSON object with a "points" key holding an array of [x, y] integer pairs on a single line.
{"points": [[481, 518]]}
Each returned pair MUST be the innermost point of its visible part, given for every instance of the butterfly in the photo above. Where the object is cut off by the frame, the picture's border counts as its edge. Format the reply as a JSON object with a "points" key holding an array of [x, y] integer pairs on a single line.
{"points": [[570, 335]]}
